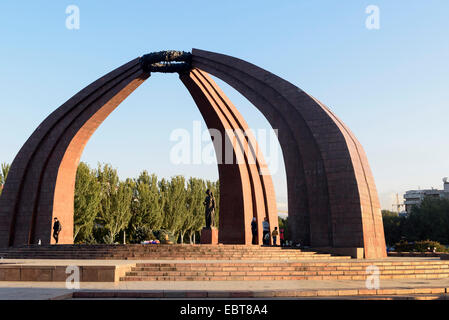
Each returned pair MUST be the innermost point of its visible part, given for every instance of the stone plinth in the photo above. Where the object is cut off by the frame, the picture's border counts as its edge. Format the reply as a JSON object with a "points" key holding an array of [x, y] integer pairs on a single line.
{"points": [[209, 236]]}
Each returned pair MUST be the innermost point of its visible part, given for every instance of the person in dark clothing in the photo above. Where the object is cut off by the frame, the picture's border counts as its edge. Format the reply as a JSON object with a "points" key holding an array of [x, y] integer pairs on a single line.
{"points": [[57, 227], [275, 234], [254, 230], [266, 232], [281, 236], [209, 204]]}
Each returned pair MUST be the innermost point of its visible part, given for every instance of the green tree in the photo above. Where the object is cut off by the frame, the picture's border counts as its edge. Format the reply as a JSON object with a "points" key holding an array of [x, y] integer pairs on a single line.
{"points": [[428, 221], [116, 200], [146, 205], [120, 210], [87, 202], [393, 225], [175, 205], [195, 219]]}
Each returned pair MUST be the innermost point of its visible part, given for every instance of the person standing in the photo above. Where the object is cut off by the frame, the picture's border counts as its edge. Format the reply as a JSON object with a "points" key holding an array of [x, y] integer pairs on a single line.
{"points": [[266, 231], [254, 230], [275, 234], [57, 227], [281, 237], [209, 204]]}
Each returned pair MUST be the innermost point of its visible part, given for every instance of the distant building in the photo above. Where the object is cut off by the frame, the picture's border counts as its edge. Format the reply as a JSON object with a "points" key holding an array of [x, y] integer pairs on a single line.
{"points": [[415, 197]]}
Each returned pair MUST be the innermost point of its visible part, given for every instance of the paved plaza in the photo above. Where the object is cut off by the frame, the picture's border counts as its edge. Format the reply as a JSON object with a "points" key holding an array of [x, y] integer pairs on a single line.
{"points": [[41, 290], [52, 290]]}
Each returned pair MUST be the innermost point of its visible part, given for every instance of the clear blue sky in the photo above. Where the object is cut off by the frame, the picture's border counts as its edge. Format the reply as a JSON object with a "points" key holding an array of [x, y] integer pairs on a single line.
{"points": [[390, 86]]}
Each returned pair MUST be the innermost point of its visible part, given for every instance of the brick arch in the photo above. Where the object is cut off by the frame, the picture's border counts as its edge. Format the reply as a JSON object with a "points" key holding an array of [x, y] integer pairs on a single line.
{"points": [[244, 192], [41, 181]]}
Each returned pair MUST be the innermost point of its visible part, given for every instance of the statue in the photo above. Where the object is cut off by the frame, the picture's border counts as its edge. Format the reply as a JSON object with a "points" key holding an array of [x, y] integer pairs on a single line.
{"points": [[209, 204]]}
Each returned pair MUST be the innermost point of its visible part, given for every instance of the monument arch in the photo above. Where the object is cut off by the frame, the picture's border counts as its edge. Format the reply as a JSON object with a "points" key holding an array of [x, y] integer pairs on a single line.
{"points": [[332, 198]]}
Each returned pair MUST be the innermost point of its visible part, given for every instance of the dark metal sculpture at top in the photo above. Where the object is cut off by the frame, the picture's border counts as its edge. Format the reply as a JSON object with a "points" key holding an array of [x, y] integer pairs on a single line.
{"points": [[169, 61]]}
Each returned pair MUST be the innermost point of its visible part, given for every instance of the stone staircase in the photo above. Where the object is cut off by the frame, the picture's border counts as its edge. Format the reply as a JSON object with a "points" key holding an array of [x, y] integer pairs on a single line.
{"points": [[270, 270], [164, 252], [224, 263]]}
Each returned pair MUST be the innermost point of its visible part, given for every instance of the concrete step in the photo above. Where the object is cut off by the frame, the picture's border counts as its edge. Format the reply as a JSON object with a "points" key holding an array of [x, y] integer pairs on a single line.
{"points": [[159, 247], [166, 252], [255, 252], [222, 271], [274, 277], [264, 273], [281, 269]]}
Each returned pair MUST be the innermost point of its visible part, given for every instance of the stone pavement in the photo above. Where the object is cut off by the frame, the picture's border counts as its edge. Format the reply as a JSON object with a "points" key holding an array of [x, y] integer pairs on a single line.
{"points": [[51, 290], [16, 290]]}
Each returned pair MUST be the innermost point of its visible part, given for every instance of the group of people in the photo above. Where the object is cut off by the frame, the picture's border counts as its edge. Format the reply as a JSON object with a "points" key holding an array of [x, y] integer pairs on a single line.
{"points": [[209, 204], [266, 233]]}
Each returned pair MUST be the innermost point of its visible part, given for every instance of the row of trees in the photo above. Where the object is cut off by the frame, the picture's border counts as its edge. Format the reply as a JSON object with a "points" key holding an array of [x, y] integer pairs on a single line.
{"points": [[106, 207], [428, 221]]}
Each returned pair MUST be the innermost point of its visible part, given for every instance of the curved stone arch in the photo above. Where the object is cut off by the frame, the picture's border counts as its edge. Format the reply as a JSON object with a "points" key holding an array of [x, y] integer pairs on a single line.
{"points": [[31, 198], [242, 179], [343, 208], [305, 171], [332, 197], [255, 158]]}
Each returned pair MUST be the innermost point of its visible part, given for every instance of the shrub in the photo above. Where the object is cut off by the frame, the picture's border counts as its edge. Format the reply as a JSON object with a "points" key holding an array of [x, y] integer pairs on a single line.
{"points": [[419, 246], [108, 239], [90, 239]]}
